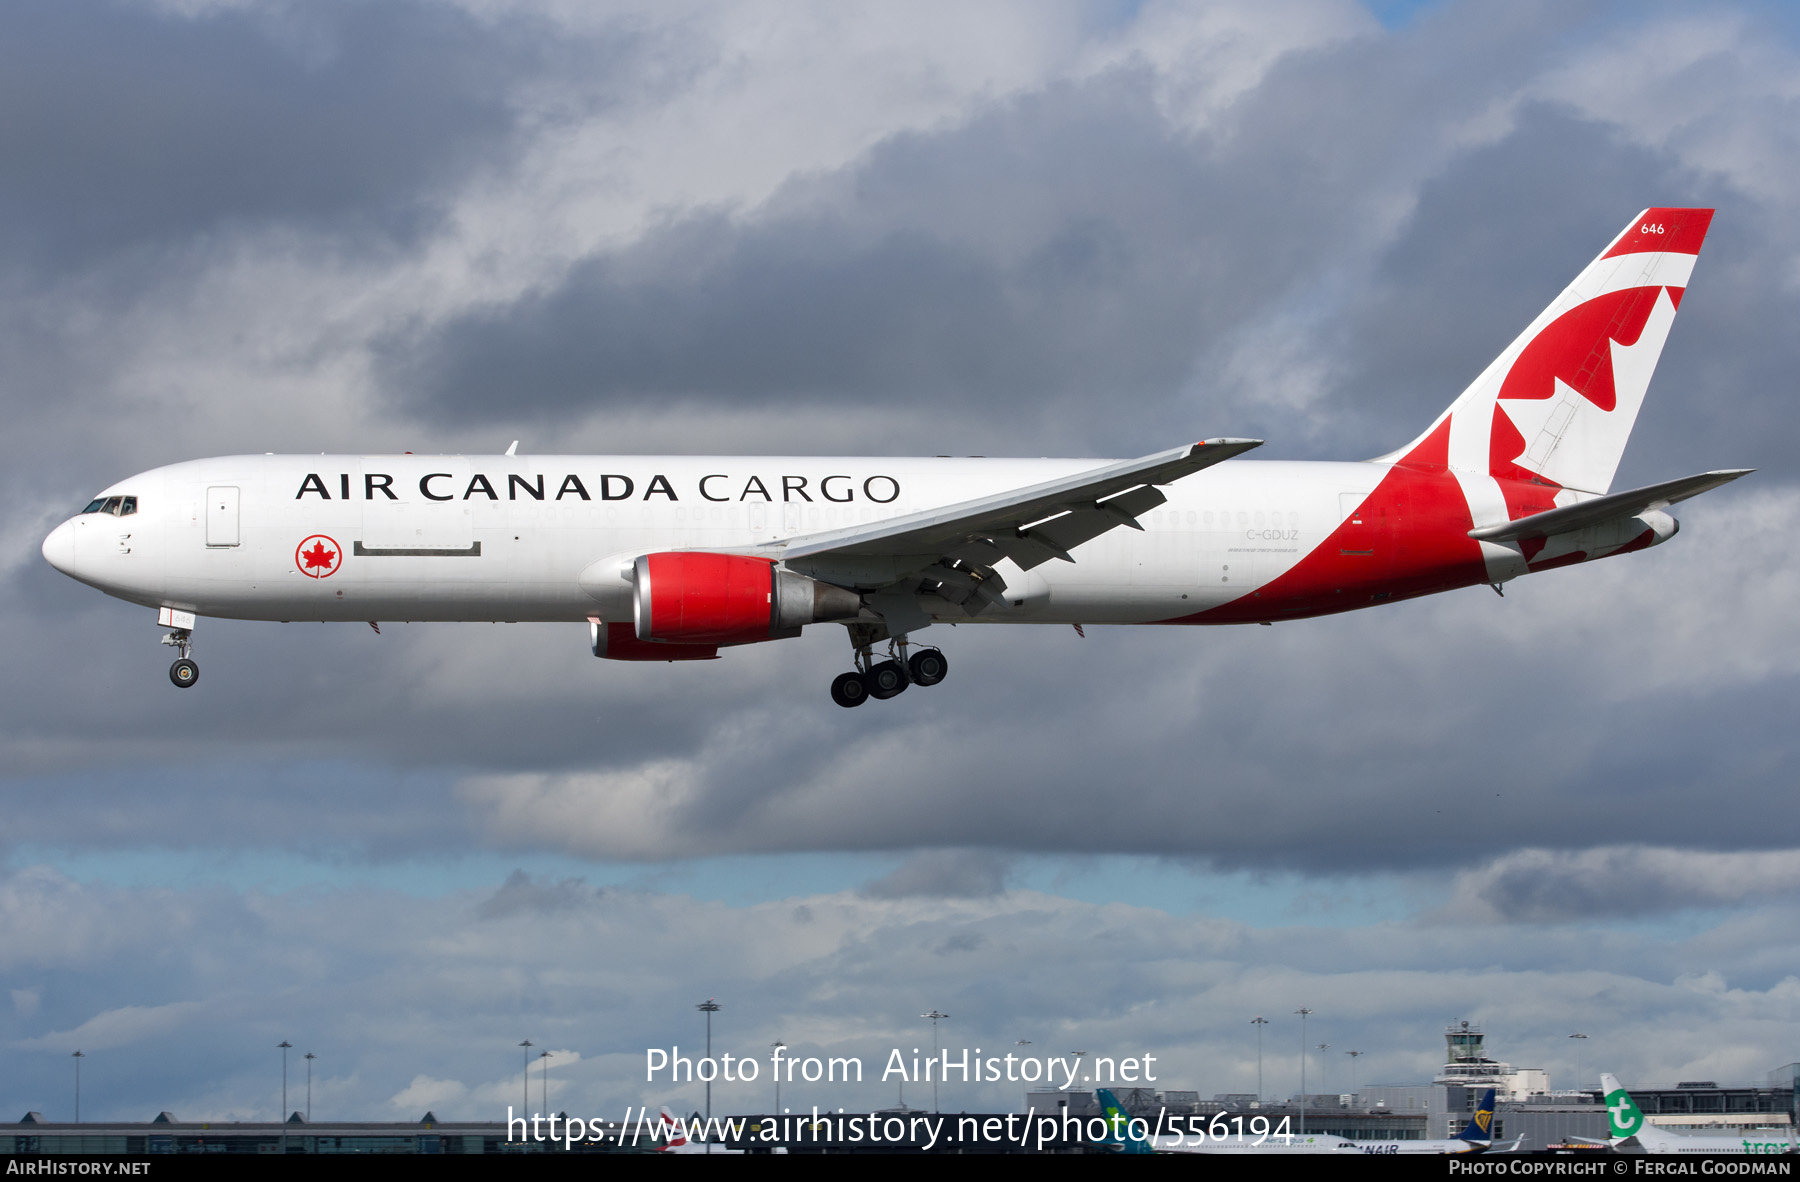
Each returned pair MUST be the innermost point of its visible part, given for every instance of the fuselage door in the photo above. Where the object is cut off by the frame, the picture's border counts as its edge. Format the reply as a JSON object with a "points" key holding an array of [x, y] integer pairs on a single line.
{"points": [[222, 515]]}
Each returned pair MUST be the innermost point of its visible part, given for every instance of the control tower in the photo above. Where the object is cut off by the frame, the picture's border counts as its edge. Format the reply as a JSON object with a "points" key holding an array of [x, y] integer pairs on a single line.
{"points": [[1466, 1063], [1463, 1044]]}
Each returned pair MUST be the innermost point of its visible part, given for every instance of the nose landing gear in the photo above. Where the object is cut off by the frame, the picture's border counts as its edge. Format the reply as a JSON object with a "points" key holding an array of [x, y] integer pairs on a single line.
{"points": [[184, 672], [889, 678]]}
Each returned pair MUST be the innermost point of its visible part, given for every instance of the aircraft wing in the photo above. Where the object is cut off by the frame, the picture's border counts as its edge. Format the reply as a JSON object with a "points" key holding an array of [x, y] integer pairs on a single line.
{"points": [[1623, 504], [955, 547]]}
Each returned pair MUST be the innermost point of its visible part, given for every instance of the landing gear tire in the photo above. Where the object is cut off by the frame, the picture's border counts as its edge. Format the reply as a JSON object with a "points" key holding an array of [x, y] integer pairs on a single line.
{"points": [[184, 673], [887, 680], [850, 689], [927, 666]]}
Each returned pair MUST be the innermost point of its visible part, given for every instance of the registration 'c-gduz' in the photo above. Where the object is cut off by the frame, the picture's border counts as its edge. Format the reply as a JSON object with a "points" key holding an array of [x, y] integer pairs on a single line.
{"points": [[672, 558]]}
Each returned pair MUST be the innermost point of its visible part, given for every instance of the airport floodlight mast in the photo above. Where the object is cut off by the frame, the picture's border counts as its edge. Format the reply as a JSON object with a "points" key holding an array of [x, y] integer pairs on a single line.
{"points": [[309, 1058], [285, 1047], [1303, 1011], [1580, 1038], [1259, 1022], [1353, 1057], [709, 1007], [78, 1057], [1322, 1048], [934, 1016], [525, 1078], [776, 1047], [544, 1057]]}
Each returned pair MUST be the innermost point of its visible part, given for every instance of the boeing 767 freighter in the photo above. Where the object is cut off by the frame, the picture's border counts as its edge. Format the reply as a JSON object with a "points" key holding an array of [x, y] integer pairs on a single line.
{"points": [[671, 558]]}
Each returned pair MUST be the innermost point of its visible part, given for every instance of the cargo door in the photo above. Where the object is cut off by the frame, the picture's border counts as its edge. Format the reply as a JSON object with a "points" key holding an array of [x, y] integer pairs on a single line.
{"points": [[414, 506]]}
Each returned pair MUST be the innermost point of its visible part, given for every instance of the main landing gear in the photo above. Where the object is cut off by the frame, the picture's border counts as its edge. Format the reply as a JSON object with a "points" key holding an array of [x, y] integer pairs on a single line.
{"points": [[184, 672], [889, 678]]}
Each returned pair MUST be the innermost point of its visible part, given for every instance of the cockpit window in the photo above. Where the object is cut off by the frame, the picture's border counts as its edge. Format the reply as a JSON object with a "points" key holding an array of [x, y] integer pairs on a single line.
{"points": [[117, 506]]}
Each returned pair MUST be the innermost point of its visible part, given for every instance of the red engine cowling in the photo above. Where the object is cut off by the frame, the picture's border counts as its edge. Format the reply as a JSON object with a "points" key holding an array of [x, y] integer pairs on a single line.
{"points": [[690, 597], [695, 598], [619, 642]]}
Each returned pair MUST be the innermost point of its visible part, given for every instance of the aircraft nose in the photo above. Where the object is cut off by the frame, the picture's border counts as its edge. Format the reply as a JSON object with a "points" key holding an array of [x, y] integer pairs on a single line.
{"points": [[59, 548]]}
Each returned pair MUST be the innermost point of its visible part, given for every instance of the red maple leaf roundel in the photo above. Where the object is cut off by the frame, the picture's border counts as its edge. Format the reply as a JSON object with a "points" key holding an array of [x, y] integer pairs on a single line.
{"points": [[318, 556]]}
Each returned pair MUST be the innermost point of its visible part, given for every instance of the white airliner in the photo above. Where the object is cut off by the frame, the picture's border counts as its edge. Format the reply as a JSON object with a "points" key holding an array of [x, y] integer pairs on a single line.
{"points": [[1631, 1131], [671, 558], [1476, 1137]]}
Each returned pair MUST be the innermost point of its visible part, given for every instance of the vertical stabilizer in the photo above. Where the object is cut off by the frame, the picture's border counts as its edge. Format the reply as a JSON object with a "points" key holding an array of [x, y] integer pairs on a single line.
{"points": [[1557, 407], [1119, 1129], [1480, 1129], [1624, 1117]]}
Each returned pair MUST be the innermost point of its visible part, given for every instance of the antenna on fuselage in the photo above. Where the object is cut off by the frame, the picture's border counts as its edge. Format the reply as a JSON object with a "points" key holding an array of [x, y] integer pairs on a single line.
{"points": [[514, 449]]}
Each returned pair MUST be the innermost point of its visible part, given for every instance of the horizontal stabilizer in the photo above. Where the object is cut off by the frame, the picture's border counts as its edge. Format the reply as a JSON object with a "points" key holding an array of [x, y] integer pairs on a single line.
{"points": [[1607, 508]]}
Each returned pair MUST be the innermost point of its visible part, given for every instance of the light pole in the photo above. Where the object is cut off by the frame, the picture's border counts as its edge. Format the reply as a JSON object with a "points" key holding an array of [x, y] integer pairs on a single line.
{"points": [[934, 1016], [1303, 1011], [1259, 1022], [525, 1078], [1582, 1038], [776, 1060], [544, 1058], [78, 1057], [309, 1058], [285, 1045], [1353, 1057], [709, 1007], [1323, 1047]]}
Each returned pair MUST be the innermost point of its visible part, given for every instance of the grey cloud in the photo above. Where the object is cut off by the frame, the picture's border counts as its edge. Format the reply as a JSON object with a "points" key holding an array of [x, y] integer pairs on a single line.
{"points": [[520, 894], [965, 874], [403, 997], [1550, 886], [1066, 270], [1074, 247], [127, 128], [877, 286]]}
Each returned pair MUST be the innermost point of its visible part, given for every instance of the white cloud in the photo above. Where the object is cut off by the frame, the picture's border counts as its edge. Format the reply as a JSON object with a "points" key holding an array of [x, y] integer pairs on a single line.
{"points": [[118, 1028]]}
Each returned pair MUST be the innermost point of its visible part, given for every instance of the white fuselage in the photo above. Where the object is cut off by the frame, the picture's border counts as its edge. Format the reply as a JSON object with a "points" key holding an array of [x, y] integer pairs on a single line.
{"points": [[545, 537]]}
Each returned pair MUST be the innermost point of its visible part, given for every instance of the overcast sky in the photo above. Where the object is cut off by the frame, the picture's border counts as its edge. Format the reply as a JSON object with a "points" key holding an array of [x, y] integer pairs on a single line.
{"points": [[1092, 229]]}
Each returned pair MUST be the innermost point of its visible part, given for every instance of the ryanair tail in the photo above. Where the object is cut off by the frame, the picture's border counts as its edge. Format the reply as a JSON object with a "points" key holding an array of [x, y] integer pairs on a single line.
{"points": [[1480, 1129]]}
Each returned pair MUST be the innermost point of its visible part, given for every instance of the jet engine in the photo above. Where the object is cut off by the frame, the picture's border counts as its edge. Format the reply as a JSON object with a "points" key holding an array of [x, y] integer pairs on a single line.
{"points": [[691, 597]]}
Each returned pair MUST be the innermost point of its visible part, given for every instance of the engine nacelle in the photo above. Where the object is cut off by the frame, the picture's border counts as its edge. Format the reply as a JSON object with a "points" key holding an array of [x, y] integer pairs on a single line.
{"points": [[691, 597]]}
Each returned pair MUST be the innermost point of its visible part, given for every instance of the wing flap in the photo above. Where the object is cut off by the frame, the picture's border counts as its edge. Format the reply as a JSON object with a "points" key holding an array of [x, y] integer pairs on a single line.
{"points": [[1614, 505]]}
